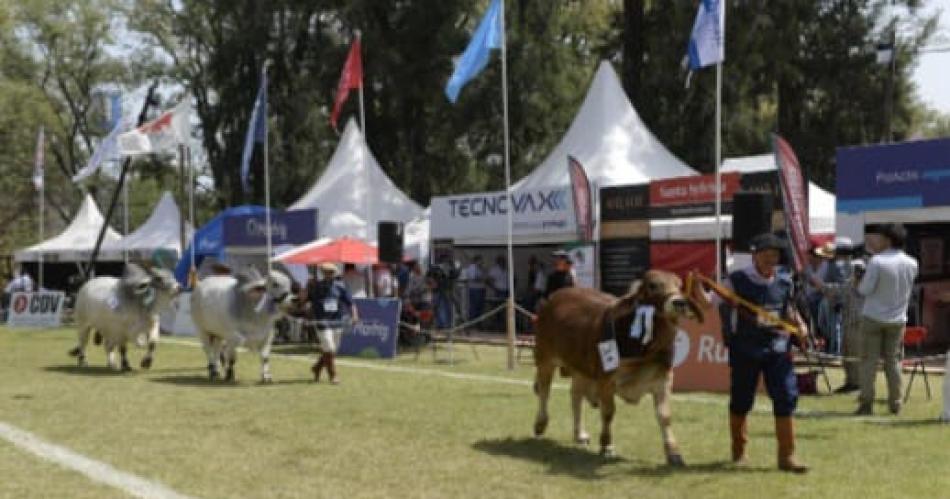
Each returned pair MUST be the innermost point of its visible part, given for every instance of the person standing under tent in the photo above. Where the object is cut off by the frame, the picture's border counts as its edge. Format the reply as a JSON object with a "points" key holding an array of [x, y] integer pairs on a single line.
{"points": [[498, 283], [328, 297], [822, 270], [385, 283], [474, 277], [355, 281], [758, 349], [563, 275], [886, 287], [845, 295], [21, 283], [536, 283]]}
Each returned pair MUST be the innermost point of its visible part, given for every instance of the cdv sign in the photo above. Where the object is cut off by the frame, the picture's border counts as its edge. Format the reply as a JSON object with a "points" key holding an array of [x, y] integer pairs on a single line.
{"points": [[42, 309]]}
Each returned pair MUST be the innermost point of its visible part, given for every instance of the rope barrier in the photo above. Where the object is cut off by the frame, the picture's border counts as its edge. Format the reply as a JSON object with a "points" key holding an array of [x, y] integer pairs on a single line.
{"points": [[829, 356]]}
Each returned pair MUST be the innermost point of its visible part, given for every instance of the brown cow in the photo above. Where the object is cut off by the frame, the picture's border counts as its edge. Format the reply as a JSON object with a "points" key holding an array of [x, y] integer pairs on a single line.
{"points": [[575, 320]]}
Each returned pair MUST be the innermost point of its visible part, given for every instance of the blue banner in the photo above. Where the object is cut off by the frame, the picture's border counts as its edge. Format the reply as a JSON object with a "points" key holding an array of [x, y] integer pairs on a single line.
{"points": [[376, 333], [894, 176], [289, 227]]}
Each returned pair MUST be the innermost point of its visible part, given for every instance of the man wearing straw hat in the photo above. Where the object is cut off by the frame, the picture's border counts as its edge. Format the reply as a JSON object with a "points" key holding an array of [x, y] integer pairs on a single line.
{"points": [[327, 298]]}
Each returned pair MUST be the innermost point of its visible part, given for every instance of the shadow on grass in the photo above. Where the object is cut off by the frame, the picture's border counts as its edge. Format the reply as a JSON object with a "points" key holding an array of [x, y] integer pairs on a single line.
{"points": [[94, 371], [907, 423], [295, 349], [578, 462], [202, 381], [665, 470]]}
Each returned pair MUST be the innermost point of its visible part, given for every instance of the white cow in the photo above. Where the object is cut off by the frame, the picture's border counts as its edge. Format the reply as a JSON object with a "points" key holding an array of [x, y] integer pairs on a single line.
{"points": [[123, 310], [230, 312]]}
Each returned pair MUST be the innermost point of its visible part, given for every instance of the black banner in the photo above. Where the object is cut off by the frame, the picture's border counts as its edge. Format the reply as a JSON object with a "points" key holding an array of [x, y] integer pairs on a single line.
{"points": [[623, 261], [630, 202]]}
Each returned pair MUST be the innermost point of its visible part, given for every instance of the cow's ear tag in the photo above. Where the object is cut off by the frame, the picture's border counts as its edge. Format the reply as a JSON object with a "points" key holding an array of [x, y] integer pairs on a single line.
{"points": [[609, 355]]}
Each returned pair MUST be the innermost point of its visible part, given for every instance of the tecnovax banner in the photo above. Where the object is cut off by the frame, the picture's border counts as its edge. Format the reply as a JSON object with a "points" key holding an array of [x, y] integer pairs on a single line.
{"points": [[541, 212], [42, 309]]}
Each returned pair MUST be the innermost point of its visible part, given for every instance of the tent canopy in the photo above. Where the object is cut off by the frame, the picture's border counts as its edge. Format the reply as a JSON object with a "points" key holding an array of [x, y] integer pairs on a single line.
{"points": [[209, 239], [610, 140], [354, 193], [821, 208], [76, 242], [607, 137], [161, 232]]}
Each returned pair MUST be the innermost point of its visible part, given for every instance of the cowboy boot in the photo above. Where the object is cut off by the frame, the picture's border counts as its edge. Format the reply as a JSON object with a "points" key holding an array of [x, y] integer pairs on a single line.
{"points": [[331, 368], [318, 367], [785, 433], [739, 429]]}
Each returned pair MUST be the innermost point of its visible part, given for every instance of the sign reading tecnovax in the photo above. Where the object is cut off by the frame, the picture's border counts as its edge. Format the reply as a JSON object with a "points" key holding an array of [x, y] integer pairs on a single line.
{"points": [[42, 309], [535, 212]]}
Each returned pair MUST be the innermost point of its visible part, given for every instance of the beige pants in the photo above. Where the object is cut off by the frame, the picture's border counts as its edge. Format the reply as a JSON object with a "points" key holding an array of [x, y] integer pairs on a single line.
{"points": [[881, 341], [329, 338], [852, 348]]}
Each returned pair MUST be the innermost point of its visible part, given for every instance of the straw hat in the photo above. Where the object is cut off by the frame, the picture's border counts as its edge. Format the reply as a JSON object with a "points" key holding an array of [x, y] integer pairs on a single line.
{"points": [[826, 251], [329, 268]]}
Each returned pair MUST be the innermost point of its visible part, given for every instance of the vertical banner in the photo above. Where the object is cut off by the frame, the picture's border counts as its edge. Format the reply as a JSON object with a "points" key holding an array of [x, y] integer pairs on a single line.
{"points": [[583, 203], [794, 196]]}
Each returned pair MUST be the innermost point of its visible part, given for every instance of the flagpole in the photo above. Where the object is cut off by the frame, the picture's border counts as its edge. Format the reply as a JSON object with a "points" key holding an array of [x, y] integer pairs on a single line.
{"points": [[719, 172], [125, 219], [369, 197], [511, 259], [270, 265], [39, 272], [191, 204]]}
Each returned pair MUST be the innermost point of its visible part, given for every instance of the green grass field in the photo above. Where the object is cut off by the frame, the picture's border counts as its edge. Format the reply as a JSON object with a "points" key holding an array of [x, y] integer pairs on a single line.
{"points": [[404, 429]]}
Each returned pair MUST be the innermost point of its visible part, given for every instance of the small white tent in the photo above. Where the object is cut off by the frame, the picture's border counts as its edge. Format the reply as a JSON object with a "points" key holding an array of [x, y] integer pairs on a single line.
{"points": [[161, 232], [610, 140], [76, 242], [821, 208], [607, 137], [354, 193]]}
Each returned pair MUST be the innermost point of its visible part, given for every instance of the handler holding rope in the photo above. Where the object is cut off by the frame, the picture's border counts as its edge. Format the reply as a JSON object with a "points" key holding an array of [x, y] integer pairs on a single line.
{"points": [[757, 316], [327, 298]]}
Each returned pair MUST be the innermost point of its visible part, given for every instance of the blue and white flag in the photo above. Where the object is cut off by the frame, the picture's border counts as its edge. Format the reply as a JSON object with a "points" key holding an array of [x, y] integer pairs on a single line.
{"points": [[488, 36], [107, 150], [256, 130], [707, 41]]}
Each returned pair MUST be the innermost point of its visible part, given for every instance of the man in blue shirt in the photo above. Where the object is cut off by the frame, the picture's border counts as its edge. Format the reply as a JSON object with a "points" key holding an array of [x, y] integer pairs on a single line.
{"points": [[327, 298]]}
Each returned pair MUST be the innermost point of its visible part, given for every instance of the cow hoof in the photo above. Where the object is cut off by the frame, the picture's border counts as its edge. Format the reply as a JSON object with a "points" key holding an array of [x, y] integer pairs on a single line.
{"points": [[676, 461], [608, 452], [229, 375], [76, 352], [583, 439], [126, 367], [212, 374], [146, 363], [267, 379], [81, 362], [539, 428]]}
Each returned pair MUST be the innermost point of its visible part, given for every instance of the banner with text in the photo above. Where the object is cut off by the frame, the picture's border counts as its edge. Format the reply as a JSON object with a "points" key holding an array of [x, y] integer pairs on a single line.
{"points": [[42, 309], [541, 213], [287, 227], [377, 331]]}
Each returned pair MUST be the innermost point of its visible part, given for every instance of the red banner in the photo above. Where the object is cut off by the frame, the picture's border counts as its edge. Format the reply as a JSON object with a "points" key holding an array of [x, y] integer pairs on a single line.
{"points": [[583, 204], [795, 199], [693, 190]]}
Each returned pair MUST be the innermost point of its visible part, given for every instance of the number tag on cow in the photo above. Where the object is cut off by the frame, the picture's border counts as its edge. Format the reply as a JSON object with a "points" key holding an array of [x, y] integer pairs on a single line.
{"points": [[642, 326], [330, 306], [609, 355], [113, 302]]}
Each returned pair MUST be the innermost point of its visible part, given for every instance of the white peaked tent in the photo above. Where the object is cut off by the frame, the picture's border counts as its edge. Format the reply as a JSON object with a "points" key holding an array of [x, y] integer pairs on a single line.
{"points": [[610, 140], [354, 193], [76, 242], [159, 233], [821, 208]]}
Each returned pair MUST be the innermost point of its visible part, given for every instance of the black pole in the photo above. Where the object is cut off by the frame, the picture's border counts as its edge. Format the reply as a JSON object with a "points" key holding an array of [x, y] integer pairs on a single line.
{"points": [[143, 114]]}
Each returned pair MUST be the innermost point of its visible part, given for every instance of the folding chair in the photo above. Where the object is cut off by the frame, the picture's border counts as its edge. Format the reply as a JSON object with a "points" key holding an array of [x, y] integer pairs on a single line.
{"points": [[914, 336]]}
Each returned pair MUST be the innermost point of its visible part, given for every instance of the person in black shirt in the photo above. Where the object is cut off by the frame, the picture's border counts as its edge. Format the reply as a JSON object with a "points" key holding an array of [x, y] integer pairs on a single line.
{"points": [[563, 275]]}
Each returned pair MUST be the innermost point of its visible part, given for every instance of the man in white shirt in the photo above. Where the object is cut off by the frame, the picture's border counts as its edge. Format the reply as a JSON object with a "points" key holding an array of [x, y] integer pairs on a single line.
{"points": [[474, 277], [886, 287], [355, 281], [498, 279], [21, 283]]}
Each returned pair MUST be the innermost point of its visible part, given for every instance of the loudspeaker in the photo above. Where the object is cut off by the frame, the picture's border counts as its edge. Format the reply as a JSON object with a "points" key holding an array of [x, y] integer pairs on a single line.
{"points": [[390, 242], [751, 216]]}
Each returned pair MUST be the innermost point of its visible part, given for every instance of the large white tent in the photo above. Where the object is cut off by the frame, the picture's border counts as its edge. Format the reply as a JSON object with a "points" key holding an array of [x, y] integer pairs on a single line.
{"points": [[821, 208], [76, 242], [354, 193], [160, 232], [607, 137]]}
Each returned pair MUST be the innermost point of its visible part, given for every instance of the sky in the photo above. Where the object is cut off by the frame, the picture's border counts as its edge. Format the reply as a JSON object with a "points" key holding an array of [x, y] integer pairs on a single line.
{"points": [[933, 73]]}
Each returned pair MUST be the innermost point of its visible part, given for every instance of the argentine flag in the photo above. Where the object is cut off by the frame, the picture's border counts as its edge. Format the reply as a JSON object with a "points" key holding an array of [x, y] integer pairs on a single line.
{"points": [[488, 36], [707, 41]]}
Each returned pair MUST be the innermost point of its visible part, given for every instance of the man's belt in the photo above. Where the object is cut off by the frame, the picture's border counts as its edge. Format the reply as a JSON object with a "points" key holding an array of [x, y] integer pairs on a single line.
{"points": [[767, 318]]}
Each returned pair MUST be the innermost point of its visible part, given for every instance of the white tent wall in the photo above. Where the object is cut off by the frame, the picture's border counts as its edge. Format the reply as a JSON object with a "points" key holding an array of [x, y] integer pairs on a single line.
{"points": [[607, 137], [161, 231], [76, 242], [821, 208], [354, 193]]}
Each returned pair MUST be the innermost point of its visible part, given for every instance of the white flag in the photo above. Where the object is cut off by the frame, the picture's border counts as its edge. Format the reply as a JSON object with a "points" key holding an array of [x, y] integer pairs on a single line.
{"points": [[39, 160], [161, 134], [105, 152]]}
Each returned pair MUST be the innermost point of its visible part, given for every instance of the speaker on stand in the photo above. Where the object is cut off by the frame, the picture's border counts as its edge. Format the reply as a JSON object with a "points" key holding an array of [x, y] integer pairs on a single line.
{"points": [[751, 216], [390, 242]]}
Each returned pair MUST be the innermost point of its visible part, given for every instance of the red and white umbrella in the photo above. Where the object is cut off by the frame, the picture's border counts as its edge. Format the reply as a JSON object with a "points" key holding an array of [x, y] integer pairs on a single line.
{"points": [[343, 250]]}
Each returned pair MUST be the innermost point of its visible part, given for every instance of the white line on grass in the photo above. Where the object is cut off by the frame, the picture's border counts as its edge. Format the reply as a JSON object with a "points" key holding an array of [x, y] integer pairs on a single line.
{"points": [[92, 469]]}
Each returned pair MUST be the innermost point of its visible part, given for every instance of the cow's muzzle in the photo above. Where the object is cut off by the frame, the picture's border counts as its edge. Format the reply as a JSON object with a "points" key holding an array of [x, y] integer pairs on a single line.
{"points": [[679, 306]]}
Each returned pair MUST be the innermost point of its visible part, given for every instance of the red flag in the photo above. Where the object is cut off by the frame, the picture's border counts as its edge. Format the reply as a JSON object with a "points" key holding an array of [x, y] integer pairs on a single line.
{"points": [[352, 77], [583, 204], [794, 197]]}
